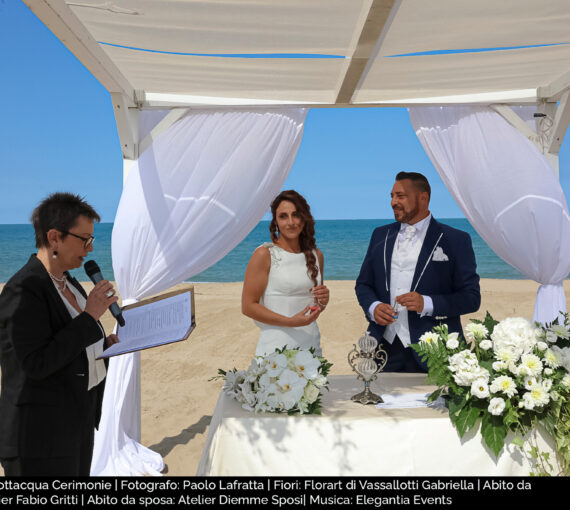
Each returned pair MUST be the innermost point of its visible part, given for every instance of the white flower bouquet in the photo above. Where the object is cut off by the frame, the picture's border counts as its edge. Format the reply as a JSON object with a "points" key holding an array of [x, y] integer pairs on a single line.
{"points": [[513, 375], [288, 380]]}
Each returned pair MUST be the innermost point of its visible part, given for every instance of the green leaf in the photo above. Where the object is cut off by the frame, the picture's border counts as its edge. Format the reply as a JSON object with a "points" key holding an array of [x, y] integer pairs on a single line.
{"points": [[466, 418], [455, 403], [518, 441], [494, 432], [435, 395], [489, 322]]}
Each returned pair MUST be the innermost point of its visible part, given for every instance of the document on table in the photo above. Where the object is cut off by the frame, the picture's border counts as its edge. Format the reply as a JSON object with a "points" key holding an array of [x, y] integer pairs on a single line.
{"points": [[408, 400], [153, 323]]}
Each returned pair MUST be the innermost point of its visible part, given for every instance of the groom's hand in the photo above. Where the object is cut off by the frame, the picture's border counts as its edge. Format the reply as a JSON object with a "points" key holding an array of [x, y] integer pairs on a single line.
{"points": [[412, 301], [384, 314]]}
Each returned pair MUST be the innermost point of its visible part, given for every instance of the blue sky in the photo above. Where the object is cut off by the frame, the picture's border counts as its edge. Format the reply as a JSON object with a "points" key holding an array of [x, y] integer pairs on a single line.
{"points": [[58, 132]]}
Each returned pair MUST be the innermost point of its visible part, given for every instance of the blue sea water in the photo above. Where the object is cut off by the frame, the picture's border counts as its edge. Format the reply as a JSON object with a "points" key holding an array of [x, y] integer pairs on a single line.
{"points": [[343, 242]]}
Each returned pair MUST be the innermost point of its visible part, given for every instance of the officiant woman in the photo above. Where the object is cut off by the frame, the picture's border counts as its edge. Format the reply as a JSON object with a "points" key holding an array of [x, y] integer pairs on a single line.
{"points": [[50, 336]]}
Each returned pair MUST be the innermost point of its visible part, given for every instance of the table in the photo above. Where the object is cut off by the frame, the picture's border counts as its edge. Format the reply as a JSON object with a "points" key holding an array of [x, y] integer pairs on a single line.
{"points": [[350, 439]]}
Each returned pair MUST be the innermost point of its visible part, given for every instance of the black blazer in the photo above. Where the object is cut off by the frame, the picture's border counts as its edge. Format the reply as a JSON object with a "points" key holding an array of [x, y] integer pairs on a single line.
{"points": [[44, 402]]}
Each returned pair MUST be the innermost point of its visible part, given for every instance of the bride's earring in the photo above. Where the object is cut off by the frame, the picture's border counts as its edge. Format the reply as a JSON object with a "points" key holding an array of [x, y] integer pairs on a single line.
{"points": [[54, 256]]}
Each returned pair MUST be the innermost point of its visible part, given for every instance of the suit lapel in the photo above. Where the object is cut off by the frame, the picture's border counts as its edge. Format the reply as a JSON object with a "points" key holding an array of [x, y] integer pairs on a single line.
{"points": [[430, 240], [389, 247], [76, 284]]}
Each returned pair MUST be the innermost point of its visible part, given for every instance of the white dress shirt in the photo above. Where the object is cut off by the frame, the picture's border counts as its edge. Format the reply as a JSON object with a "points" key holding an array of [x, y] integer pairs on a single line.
{"points": [[97, 370]]}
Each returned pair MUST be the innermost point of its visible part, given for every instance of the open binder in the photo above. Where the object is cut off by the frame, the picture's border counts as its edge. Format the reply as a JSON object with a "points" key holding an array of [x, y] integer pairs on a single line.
{"points": [[155, 321]]}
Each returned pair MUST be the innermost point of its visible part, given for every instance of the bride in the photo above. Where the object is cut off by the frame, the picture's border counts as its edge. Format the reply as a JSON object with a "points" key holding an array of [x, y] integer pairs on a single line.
{"points": [[283, 287]]}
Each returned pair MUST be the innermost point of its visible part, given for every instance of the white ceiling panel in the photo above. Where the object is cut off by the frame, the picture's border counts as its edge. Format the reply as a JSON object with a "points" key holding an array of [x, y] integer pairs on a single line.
{"points": [[438, 25], [226, 26], [469, 51], [435, 76], [288, 80]]}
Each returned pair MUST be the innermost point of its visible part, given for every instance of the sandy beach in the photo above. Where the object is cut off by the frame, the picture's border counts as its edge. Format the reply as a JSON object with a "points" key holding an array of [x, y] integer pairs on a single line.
{"points": [[177, 399]]}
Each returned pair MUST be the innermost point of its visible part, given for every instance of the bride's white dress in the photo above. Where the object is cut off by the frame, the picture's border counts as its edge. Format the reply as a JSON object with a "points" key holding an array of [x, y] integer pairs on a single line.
{"points": [[288, 292]]}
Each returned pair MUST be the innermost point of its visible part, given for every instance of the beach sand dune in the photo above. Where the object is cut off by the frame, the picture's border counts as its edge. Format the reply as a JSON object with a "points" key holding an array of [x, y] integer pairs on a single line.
{"points": [[177, 399]]}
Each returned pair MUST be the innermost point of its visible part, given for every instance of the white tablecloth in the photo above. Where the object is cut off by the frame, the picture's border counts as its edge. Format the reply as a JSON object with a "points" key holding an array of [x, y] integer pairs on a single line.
{"points": [[352, 439]]}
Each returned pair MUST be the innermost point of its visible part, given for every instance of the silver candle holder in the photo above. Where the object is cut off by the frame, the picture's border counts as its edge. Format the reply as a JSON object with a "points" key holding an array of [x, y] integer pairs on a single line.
{"points": [[367, 361]]}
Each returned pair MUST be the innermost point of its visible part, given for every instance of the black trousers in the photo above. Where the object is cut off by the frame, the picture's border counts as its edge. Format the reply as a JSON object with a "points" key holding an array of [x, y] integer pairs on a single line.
{"points": [[400, 358], [76, 465]]}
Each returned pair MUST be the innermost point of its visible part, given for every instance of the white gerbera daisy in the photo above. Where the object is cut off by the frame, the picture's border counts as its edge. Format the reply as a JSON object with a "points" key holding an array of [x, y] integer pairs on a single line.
{"points": [[504, 384]]}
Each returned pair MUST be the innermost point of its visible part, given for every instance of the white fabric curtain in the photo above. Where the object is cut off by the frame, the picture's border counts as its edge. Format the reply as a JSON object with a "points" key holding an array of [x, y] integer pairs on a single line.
{"points": [[507, 191], [191, 197]]}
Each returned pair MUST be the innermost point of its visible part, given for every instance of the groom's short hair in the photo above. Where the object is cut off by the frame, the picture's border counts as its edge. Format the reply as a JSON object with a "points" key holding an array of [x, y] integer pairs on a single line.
{"points": [[419, 181]]}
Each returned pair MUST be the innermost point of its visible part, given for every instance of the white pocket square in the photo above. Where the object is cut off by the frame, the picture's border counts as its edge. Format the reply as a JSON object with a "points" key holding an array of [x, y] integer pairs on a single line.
{"points": [[439, 256]]}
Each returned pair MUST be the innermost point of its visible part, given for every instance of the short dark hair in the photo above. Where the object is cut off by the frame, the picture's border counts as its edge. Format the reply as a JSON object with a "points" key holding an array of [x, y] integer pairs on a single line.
{"points": [[59, 211], [419, 181]]}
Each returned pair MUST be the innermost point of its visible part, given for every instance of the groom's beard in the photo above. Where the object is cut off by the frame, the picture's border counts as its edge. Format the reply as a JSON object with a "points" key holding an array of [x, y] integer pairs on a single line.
{"points": [[404, 216]]}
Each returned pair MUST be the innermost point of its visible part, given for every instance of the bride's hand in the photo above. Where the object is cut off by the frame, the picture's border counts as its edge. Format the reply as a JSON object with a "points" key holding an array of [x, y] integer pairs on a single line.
{"points": [[304, 319], [322, 295]]}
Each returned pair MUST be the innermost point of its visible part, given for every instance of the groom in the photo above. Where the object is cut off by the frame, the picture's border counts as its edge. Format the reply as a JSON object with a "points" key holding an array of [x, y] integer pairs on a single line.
{"points": [[417, 273]]}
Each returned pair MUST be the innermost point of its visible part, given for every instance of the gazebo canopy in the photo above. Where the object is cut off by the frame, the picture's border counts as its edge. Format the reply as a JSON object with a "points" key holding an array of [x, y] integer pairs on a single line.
{"points": [[171, 53]]}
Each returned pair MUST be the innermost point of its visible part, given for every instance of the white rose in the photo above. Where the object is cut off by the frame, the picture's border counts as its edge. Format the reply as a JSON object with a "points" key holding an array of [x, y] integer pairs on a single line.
{"points": [[453, 336], [515, 335], [542, 346], [480, 388], [311, 393], [551, 337], [319, 381], [499, 365], [486, 345], [527, 402], [496, 406], [452, 343]]}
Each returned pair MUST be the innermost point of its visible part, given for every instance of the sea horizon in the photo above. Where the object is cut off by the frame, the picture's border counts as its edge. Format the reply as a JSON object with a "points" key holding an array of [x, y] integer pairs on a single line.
{"points": [[343, 243]]}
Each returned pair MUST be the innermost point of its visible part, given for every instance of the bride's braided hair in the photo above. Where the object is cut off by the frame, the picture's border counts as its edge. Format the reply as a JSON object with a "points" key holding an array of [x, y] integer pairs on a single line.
{"points": [[307, 237]]}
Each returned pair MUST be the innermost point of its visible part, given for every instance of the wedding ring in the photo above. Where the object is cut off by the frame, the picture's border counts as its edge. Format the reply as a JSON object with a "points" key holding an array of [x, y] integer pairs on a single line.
{"points": [[111, 293]]}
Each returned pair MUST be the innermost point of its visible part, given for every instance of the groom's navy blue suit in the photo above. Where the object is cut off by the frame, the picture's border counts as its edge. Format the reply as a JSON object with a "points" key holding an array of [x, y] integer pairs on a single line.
{"points": [[452, 284]]}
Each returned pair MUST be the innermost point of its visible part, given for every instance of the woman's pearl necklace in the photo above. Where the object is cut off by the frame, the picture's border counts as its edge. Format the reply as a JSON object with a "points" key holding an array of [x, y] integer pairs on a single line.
{"points": [[59, 281]]}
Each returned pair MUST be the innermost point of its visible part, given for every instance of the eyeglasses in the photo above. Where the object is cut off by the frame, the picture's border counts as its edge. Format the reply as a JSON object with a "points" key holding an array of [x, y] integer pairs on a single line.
{"points": [[88, 241]]}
